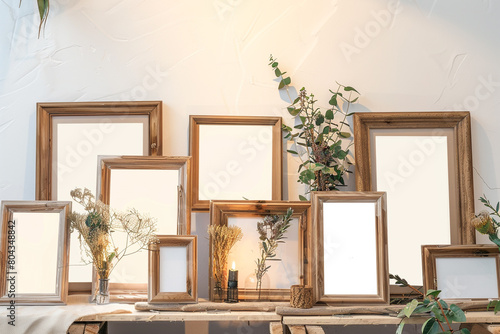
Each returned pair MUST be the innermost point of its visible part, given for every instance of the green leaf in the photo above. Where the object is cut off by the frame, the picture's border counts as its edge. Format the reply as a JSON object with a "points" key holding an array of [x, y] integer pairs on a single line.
{"points": [[291, 151], [456, 314], [287, 80], [309, 174], [349, 88], [320, 119], [345, 134], [281, 84], [277, 72], [433, 293], [329, 114], [410, 307], [275, 64], [437, 313], [326, 130], [464, 331], [333, 100], [293, 111], [302, 198], [431, 326]]}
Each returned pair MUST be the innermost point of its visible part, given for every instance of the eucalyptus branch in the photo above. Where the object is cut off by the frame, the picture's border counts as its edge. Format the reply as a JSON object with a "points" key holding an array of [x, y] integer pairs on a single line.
{"points": [[323, 160]]}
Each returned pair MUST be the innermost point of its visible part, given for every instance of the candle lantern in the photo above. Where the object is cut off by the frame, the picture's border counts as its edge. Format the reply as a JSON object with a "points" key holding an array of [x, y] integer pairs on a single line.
{"points": [[232, 285]]}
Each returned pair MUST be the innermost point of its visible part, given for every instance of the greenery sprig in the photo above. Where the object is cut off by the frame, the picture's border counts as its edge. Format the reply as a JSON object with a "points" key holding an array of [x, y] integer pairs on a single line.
{"points": [[43, 10], [272, 231], [318, 136], [441, 314]]}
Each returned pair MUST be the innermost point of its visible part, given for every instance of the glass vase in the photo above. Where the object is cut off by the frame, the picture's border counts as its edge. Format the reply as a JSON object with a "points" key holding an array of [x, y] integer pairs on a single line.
{"points": [[218, 293], [102, 296]]}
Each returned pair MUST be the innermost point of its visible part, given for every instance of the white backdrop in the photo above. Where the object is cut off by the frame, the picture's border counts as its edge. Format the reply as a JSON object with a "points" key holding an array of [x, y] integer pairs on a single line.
{"points": [[210, 57]]}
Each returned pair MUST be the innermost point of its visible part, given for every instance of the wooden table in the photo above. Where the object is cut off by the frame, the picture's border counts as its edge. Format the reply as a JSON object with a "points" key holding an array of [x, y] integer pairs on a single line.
{"points": [[281, 319]]}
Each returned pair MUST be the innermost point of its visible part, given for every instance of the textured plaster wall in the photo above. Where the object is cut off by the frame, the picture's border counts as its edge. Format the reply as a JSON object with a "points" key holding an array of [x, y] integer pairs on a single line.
{"points": [[210, 57]]}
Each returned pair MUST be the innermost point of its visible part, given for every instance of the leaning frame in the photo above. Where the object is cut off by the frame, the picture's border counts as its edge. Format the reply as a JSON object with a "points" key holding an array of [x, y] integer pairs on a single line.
{"points": [[430, 254], [275, 190], [379, 238], [8, 246], [222, 211], [190, 295]]}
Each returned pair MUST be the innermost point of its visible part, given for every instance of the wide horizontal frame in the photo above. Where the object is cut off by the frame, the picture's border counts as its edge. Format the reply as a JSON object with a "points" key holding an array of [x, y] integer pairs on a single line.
{"points": [[221, 211], [194, 140], [318, 199], [63, 208], [47, 112], [430, 253], [191, 294]]}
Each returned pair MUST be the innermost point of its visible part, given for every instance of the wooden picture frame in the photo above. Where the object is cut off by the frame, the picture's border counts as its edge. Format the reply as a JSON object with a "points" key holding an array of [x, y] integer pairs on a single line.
{"points": [[34, 250], [477, 277], [173, 285], [248, 163], [70, 136], [166, 196], [420, 159], [350, 239], [296, 258]]}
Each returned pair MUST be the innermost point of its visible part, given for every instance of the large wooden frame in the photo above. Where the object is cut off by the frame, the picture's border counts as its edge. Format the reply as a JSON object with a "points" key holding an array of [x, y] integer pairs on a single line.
{"points": [[222, 211], [247, 148], [49, 115], [124, 291], [432, 253], [10, 248], [449, 130], [358, 255], [155, 293]]}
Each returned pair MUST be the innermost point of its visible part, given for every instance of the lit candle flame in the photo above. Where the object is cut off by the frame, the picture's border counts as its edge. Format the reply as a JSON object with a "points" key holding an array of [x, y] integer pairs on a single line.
{"points": [[233, 266]]}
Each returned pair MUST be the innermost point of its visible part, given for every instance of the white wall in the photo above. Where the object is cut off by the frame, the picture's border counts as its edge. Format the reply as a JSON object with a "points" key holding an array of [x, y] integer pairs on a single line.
{"points": [[210, 57]]}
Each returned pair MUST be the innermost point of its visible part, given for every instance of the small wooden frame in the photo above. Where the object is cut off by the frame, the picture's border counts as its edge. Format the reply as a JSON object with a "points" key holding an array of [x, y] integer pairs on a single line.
{"points": [[179, 282], [155, 185], [248, 162], [34, 252], [296, 256], [403, 152], [470, 272], [70, 136], [350, 236]]}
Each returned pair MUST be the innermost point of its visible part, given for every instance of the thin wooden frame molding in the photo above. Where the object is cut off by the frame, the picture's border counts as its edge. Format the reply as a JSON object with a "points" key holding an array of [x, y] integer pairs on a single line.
{"points": [[179, 282], [117, 173], [470, 272], [105, 112], [235, 158], [34, 252], [350, 239], [423, 160], [298, 258]]}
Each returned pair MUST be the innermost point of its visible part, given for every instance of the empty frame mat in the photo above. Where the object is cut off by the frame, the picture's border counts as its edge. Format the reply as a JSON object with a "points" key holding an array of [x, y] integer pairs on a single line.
{"points": [[70, 137], [290, 265], [173, 270], [35, 243], [420, 160], [462, 272], [351, 257], [155, 186], [235, 158]]}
